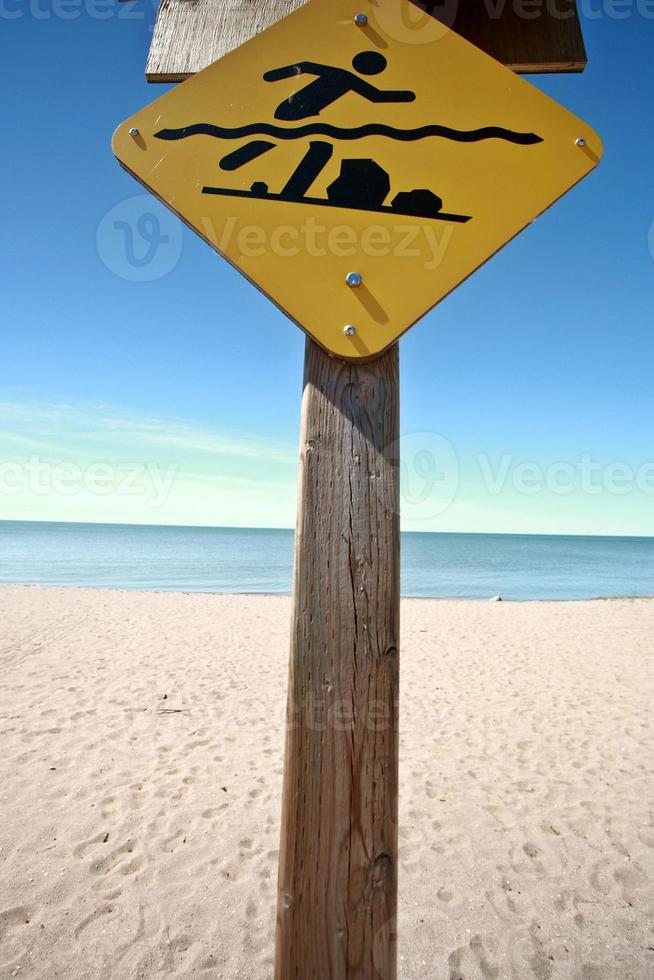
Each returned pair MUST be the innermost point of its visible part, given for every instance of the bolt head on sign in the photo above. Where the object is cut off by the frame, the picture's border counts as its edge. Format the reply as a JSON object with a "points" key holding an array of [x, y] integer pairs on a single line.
{"points": [[323, 145]]}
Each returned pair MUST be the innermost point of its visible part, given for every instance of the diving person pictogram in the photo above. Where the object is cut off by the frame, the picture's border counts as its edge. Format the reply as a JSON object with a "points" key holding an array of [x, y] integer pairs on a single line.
{"points": [[331, 84]]}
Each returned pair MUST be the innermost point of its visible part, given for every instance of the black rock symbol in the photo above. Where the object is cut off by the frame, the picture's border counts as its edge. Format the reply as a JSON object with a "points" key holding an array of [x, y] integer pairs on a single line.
{"points": [[360, 184], [419, 202]]}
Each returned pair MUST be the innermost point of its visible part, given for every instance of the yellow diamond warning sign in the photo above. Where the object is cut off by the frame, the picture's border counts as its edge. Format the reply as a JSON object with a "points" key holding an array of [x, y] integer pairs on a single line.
{"points": [[355, 172]]}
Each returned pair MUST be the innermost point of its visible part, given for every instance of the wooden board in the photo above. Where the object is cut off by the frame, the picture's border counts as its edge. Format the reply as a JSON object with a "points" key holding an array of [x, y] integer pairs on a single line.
{"points": [[188, 36], [337, 887], [546, 42]]}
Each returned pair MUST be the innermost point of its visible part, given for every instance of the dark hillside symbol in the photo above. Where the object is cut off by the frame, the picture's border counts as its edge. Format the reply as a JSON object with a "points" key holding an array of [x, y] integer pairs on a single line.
{"points": [[303, 176], [245, 154], [362, 184]]}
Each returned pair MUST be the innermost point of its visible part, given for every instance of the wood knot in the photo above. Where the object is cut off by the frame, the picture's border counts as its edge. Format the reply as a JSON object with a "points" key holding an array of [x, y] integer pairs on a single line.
{"points": [[381, 872], [366, 389]]}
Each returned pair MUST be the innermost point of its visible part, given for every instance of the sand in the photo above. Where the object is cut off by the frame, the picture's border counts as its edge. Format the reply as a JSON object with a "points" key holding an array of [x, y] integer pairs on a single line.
{"points": [[140, 774]]}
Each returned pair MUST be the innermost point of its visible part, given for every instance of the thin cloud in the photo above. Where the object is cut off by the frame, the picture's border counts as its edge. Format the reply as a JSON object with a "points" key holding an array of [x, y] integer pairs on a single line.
{"points": [[48, 425]]}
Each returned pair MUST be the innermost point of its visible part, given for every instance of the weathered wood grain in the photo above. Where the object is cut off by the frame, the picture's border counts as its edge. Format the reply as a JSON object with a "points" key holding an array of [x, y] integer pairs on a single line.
{"points": [[524, 36], [191, 34], [337, 888]]}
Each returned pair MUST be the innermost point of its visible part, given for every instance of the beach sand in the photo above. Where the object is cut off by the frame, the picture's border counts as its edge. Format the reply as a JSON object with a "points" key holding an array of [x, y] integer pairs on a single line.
{"points": [[140, 777]]}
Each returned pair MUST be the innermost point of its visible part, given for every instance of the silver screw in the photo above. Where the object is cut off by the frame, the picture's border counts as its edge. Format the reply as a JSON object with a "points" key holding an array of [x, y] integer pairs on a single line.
{"points": [[581, 141], [349, 330], [360, 20], [133, 131], [354, 279]]}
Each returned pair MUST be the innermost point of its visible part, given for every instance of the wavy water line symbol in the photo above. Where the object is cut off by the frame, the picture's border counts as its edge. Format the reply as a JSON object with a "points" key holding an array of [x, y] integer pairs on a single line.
{"points": [[356, 133]]}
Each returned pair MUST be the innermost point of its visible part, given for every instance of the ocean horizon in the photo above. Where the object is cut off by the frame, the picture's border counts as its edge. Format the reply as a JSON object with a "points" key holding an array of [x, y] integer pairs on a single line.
{"points": [[442, 565]]}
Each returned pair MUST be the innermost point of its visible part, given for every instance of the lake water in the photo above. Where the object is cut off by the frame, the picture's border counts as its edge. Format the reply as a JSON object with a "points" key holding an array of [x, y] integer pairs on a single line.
{"points": [[216, 559]]}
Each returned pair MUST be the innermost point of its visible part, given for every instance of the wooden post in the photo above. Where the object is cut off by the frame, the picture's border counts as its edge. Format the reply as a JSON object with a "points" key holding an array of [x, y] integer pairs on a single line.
{"points": [[337, 889]]}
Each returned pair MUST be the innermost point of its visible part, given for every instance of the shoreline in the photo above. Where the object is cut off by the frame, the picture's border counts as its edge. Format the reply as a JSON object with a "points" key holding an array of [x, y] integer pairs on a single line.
{"points": [[288, 595]]}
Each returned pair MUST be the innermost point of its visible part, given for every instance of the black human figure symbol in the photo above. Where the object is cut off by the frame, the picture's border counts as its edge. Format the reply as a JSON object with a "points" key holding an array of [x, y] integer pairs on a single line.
{"points": [[332, 83]]}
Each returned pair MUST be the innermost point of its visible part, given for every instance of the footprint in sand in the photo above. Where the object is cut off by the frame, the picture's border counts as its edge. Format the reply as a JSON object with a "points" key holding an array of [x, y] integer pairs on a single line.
{"points": [[78, 715], [503, 815], [12, 919], [533, 953], [12, 922], [509, 900], [123, 860], [247, 851], [471, 962], [86, 847], [174, 841], [506, 902], [214, 811], [198, 744], [542, 859], [154, 827], [98, 913], [631, 879], [108, 808], [451, 902]]}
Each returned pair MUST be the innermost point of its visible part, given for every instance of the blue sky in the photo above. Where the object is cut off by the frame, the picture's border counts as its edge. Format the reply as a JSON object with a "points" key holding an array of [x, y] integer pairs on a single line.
{"points": [[531, 383]]}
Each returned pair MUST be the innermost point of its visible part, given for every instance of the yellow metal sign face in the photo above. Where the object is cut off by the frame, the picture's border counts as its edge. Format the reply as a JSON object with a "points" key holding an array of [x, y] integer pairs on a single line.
{"points": [[356, 172]]}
